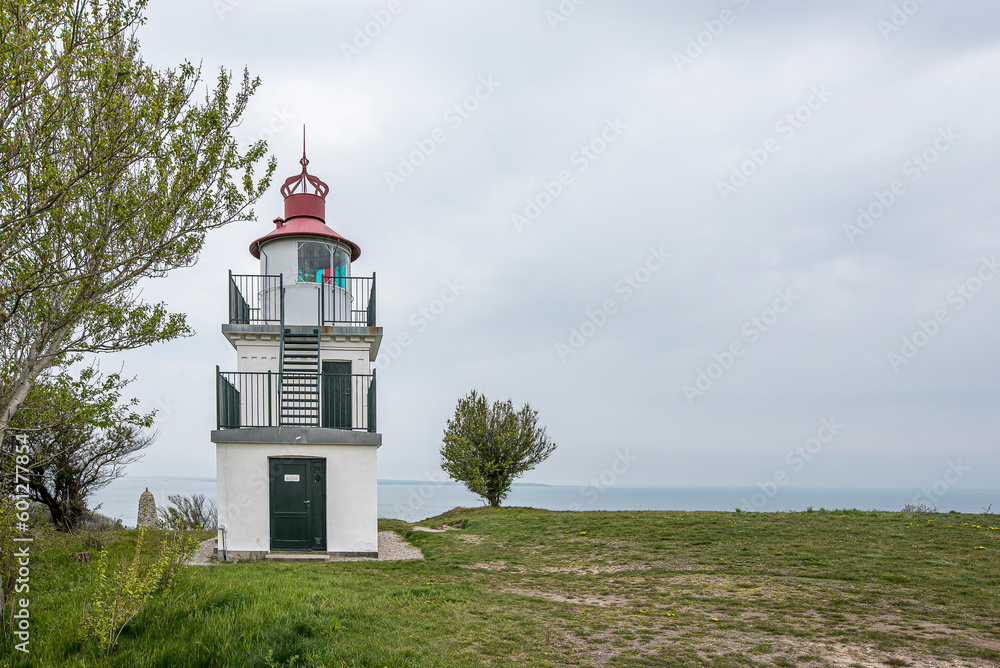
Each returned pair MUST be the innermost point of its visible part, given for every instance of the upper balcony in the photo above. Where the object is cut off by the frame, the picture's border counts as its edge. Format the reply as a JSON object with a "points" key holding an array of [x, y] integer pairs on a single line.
{"points": [[338, 301], [292, 399]]}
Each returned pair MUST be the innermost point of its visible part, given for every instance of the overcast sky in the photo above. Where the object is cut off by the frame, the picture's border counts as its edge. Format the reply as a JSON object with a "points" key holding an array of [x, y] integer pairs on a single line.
{"points": [[743, 139]]}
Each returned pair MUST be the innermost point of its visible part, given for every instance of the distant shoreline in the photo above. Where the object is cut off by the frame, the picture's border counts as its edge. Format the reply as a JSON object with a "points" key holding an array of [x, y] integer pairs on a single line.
{"points": [[452, 483]]}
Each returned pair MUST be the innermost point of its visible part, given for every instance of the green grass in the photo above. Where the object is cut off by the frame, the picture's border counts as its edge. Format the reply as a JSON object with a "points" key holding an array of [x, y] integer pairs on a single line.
{"points": [[525, 587]]}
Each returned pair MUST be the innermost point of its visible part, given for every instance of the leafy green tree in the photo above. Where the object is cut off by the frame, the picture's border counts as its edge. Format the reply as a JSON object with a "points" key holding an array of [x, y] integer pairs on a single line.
{"points": [[81, 435], [111, 172], [486, 446]]}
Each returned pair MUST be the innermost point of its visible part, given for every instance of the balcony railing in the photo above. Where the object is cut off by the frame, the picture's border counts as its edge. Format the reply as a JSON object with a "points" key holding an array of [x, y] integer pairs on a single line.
{"points": [[255, 300], [340, 301], [348, 301], [276, 399]]}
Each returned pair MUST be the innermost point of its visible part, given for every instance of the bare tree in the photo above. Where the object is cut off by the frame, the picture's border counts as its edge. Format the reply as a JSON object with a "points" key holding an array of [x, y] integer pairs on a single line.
{"points": [[189, 513]]}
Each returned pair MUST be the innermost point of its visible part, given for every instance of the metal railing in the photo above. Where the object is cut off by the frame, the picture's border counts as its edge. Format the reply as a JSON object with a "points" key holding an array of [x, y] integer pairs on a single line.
{"points": [[274, 399], [347, 301], [255, 299], [341, 300]]}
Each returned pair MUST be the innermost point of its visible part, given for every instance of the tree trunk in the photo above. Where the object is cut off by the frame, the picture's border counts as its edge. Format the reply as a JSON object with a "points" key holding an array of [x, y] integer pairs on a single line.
{"points": [[38, 362], [61, 519]]}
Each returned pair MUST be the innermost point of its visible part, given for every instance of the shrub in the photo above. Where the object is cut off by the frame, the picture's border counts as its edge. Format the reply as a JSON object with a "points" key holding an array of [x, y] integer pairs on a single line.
{"points": [[192, 513], [38, 514], [95, 521], [918, 508], [122, 587], [92, 542]]}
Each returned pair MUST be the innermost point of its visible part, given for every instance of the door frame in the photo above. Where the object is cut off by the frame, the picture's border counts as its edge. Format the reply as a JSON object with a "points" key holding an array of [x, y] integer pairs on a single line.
{"points": [[316, 511]]}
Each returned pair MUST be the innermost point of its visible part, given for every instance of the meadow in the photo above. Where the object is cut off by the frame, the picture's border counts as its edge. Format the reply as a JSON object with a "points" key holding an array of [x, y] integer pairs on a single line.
{"points": [[525, 587]]}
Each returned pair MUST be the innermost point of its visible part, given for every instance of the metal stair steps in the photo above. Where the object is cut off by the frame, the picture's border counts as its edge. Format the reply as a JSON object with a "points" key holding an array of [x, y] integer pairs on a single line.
{"points": [[300, 386]]}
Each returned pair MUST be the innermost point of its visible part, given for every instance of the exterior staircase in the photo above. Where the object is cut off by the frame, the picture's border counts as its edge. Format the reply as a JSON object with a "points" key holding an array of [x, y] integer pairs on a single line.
{"points": [[300, 379]]}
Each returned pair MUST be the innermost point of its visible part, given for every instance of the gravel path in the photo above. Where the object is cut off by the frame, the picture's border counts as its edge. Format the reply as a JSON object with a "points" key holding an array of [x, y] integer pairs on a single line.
{"points": [[390, 548], [203, 556], [393, 548]]}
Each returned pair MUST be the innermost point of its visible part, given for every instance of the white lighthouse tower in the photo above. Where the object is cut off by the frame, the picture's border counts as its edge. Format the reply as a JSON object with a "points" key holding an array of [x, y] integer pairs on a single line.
{"points": [[296, 437]]}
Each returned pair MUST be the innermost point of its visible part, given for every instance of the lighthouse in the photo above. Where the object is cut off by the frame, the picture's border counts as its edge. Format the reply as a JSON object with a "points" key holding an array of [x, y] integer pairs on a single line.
{"points": [[295, 437]]}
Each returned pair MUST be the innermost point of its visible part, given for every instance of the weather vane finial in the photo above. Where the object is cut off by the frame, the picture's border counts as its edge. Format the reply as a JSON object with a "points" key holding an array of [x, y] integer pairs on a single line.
{"points": [[305, 160], [305, 179]]}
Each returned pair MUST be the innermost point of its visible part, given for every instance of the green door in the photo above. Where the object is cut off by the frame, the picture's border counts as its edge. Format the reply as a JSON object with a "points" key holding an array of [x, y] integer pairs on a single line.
{"points": [[298, 504], [336, 409]]}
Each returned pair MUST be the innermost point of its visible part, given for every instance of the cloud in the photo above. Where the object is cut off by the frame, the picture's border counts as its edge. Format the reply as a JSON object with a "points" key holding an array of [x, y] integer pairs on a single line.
{"points": [[655, 185]]}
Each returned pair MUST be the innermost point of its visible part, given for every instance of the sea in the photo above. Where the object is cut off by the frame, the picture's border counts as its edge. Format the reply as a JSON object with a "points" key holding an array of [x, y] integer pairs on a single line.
{"points": [[413, 501]]}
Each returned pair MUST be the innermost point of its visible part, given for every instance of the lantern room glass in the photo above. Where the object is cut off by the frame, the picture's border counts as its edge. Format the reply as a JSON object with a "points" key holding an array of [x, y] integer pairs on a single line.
{"points": [[323, 263]]}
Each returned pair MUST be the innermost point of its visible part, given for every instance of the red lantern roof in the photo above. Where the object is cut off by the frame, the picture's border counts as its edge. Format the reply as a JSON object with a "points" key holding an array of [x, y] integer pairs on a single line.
{"points": [[305, 213]]}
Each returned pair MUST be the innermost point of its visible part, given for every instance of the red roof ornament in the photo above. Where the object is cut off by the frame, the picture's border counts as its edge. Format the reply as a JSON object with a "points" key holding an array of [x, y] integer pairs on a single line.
{"points": [[304, 179], [305, 212]]}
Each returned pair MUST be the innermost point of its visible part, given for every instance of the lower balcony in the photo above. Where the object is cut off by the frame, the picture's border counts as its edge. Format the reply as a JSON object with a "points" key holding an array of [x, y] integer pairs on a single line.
{"points": [[276, 399]]}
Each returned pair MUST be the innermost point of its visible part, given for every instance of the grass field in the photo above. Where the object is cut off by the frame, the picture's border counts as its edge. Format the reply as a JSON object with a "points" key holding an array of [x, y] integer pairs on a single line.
{"points": [[524, 587]]}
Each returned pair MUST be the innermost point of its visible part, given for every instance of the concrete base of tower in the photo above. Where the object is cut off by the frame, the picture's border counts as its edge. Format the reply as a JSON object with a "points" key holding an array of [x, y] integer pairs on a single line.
{"points": [[277, 482]]}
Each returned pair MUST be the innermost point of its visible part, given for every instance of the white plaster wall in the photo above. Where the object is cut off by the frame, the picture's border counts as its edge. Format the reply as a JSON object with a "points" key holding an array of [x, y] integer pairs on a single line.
{"points": [[351, 494], [355, 350], [302, 303], [258, 355]]}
